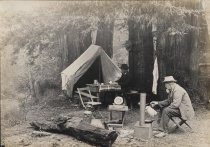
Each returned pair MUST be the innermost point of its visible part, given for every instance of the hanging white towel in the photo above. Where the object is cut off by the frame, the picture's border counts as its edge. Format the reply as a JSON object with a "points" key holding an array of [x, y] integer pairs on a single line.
{"points": [[155, 77]]}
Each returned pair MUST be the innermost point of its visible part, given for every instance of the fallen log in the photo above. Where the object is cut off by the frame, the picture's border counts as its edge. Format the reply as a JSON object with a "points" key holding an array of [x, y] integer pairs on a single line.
{"points": [[79, 129]]}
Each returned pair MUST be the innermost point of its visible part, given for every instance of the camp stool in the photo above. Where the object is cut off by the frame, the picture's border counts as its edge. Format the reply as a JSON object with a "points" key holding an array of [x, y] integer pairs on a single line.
{"points": [[119, 109], [179, 124]]}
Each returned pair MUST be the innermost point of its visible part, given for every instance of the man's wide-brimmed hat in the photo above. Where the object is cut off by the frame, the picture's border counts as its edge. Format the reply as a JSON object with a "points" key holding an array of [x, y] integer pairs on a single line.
{"points": [[169, 79]]}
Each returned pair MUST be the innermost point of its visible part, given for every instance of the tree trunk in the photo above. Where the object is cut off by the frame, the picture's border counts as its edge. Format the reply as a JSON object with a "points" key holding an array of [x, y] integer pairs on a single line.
{"points": [[79, 129], [37, 89], [141, 56], [64, 50], [161, 65], [31, 85], [104, 37]]}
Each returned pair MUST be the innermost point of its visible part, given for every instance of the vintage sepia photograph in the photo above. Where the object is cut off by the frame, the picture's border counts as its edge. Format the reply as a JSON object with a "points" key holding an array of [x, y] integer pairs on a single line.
{"points": [[130, 73]]}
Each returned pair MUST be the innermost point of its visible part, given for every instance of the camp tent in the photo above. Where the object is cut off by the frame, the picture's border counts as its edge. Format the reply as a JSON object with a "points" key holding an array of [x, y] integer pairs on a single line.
{"points": [[110, 71]]}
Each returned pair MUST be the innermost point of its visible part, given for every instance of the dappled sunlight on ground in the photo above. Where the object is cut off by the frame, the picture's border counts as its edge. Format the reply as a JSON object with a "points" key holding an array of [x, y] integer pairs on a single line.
{"points": [[21, 134]]}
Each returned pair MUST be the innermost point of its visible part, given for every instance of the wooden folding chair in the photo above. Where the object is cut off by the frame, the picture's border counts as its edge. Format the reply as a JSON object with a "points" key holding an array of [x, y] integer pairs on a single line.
{"points": [[86, 98], [178, 124]]}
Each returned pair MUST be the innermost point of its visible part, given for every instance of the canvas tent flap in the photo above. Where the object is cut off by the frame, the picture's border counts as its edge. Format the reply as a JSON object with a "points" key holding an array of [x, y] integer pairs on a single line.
{"points": [[78, 68], [110, 71]]}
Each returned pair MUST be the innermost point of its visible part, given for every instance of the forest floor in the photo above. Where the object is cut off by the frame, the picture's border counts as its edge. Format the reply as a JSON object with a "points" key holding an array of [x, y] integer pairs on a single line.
{"points": [[20, 134]]}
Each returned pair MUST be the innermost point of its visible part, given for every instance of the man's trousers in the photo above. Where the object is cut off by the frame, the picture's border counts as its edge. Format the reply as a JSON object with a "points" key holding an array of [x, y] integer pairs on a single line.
{"points": [[164, 117]]}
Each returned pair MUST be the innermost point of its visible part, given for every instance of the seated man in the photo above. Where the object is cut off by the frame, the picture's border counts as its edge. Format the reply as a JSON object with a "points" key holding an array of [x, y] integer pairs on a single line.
{"points": [[177, 104], [125, 80]]}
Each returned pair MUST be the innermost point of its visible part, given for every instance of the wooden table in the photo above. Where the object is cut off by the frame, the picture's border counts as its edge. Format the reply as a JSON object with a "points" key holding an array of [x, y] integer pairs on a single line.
{"points": [[93, 87], [117, 108], [102, 90], [104, 87]]}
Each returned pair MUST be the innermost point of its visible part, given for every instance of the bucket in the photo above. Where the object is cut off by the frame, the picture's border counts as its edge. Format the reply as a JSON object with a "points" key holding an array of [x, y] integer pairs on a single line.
{"points": [[87, 116]]}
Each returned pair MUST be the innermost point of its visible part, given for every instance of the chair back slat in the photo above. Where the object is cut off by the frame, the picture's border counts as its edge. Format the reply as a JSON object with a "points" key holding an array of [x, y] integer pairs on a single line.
{"points": [[85, 93]]}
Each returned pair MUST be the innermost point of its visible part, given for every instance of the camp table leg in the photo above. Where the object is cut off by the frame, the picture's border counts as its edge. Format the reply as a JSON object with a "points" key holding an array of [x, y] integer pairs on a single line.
{"points": [[110, 116], [123, 117]]}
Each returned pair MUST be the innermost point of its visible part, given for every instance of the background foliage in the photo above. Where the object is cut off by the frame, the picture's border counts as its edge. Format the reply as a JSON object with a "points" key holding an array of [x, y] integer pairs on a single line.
{"points": [[31, 32]]}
